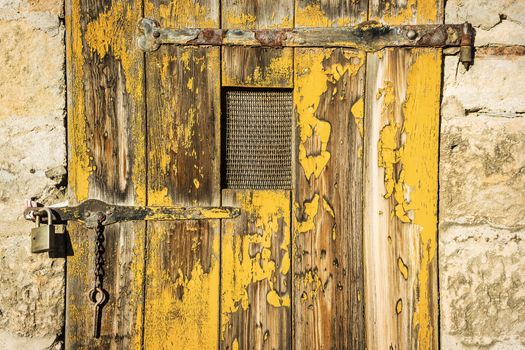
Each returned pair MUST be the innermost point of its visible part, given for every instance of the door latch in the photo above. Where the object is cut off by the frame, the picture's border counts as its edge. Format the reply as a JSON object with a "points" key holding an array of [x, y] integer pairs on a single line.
{"points": [[94, 213]]}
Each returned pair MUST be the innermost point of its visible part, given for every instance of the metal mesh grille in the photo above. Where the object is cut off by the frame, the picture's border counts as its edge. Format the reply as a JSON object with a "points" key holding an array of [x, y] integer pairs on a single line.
{"points": [[258, 139]]}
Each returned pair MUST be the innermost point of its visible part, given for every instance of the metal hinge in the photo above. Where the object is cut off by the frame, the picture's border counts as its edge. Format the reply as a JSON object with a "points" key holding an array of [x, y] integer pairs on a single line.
{"points": [[368, 36]]}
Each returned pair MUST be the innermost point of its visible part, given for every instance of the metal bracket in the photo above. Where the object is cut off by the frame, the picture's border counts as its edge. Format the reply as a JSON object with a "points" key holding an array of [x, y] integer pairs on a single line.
{"points": [[93, 212], [368, 36]]}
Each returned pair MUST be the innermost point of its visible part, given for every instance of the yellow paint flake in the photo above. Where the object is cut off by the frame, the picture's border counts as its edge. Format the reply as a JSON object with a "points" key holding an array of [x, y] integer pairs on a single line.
{"points": [[189, 85], [327, 207], [399, 306], [311, 79], [358, 111], [402, 268], [310, 284], [196, 183], [241, 266], [235, 344], [310, 211]]}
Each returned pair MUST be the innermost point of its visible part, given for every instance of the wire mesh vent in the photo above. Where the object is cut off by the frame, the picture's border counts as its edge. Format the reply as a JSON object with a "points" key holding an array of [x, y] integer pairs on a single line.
{"points": [[257, 137]]}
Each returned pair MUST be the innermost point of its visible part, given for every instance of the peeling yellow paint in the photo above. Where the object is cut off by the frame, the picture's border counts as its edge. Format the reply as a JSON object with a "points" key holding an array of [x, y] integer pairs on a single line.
{"points": [[110, 32], [182, 14], [311, 82], [402, 268], [240, 20], [330, 211], [420, 159], [187, 322], [389, 154], [278, 73], [79, 164], [235, 344], [310, 284], [412, 12], [241, 267], [311, 16], [358, 111]]}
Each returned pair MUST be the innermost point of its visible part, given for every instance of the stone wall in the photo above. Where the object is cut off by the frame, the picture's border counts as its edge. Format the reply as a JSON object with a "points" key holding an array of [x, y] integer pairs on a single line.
{"points": [[482, 177], [482, 184], [32, 165]]}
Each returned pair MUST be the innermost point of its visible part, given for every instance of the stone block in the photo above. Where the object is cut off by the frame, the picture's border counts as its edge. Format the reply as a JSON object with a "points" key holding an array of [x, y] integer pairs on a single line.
{"points": [[482, 171], [31, 73], [492, 85], [482, 298]]}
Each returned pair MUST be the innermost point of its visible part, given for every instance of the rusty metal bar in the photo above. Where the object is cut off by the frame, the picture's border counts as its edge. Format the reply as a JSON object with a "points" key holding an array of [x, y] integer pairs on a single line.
{"points": [[93, 212], [368, 36]]}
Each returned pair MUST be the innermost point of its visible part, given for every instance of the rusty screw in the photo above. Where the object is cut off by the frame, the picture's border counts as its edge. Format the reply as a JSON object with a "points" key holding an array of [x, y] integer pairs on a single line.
{"points": [[411, 34], [156, 33]]}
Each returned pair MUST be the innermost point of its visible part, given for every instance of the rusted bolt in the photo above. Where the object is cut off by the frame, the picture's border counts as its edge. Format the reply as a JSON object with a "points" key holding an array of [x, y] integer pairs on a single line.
{"points": [[411, 34], [109, 212], [156, 33], [100, 216]]}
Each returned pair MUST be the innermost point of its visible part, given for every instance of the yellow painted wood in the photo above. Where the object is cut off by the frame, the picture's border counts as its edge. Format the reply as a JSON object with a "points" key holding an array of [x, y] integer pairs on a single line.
{"points": [[257, 67], [400, 203], [256, 273], [183, 107], [105, 114]]}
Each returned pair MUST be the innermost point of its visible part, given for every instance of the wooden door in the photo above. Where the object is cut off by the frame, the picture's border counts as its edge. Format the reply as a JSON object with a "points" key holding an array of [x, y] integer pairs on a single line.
{"points": [[344, 257]]}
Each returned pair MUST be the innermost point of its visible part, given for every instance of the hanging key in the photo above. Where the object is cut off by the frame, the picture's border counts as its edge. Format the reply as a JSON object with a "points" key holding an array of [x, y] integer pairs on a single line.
{"points": [[98, 295]]}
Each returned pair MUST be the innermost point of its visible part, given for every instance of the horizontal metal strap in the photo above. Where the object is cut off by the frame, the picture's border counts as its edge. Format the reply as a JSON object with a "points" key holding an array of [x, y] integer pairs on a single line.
{"points": [[93, 212], [368, 36]]}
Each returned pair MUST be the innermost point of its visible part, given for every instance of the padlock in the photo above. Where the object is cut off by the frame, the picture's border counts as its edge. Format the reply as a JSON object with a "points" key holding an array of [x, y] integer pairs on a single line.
{"points": [[43, 236]]}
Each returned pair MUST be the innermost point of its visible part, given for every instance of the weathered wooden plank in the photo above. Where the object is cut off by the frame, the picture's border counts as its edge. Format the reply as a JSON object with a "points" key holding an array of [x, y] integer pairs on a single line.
{"points": [[406, 11], [256, 278], [327, 234], [182, 289], [400, 203], [330, 13], [106, 125], [257, 67]]}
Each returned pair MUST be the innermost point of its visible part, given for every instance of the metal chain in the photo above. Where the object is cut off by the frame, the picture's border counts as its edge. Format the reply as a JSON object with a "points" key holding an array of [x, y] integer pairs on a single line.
{"points": [[99, 255]]}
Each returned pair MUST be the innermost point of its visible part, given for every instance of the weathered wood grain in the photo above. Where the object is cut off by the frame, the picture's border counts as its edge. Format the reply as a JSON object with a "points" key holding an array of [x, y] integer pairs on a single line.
{"points": [[257, 67], [256, 278], [327, 235], [406, 11], [400, 198], [330, 13], [183, 108], [253, 14], [182, 289], [106, 125]]}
